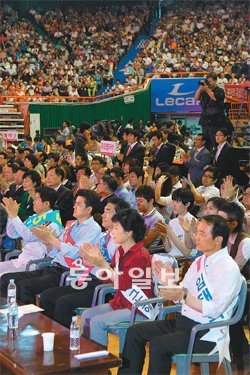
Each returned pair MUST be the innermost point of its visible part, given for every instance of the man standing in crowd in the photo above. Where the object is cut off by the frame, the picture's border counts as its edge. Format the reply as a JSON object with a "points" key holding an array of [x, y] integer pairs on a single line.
{"points": [[224, 157], [164, 153], [134, 149], [82, 141], [212, 102], [197, 160]]}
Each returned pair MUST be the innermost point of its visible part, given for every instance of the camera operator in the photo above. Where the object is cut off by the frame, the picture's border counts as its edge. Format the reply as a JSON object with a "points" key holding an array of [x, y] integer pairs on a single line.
{"points": [[212, 102]]}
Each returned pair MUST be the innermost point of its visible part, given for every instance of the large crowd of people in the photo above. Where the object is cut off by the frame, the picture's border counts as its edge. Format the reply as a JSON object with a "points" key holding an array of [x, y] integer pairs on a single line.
{"points": [[80, 47], [78, 51], [156, 190], [162, 188], [206, 37]]}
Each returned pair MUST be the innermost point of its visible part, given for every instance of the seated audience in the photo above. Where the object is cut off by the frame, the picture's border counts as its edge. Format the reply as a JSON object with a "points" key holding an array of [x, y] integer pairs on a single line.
{"points": [[32, 247], [59, 303], [64, 250], [128, 232], [170, 337], [145, 200]]}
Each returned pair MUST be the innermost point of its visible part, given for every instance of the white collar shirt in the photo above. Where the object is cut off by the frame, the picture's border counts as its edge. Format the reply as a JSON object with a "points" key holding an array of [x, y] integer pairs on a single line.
{"points": [[224, 280]]}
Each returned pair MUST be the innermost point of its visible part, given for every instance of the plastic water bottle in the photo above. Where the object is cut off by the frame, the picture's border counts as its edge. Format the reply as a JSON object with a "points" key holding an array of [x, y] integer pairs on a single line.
{"points": [[13, 316], [74, 335], [11, 293]]}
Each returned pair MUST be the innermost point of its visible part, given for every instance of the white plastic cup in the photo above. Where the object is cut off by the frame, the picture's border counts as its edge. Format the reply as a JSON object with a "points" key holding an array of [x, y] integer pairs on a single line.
{"points": [[48, 341]]}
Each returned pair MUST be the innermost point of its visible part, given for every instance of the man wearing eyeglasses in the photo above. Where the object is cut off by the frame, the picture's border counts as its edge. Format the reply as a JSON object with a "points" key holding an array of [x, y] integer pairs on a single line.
{"points": [[206, 190]]}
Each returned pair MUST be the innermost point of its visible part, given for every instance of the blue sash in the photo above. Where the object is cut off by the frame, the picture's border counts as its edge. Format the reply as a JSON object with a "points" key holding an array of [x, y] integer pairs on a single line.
{"points": [[103, 242], [40, 219]]}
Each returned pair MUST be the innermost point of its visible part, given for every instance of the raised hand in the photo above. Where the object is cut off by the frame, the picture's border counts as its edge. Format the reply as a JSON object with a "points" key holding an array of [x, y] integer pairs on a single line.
{"points": [[91, 255], [162, 228], [163, 271], [11, 207], [43, 233], [162, 179], [185, 223], [228, 190], [85, 183], [171, 293]]}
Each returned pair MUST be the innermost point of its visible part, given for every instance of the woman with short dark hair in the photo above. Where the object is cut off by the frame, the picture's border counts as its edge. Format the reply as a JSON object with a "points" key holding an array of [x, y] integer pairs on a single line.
{"points": [[31, 180], [131, 265]]}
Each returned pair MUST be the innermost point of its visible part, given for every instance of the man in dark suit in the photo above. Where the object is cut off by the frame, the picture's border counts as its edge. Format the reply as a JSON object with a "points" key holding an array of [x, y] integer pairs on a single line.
{"points": [[16, 189], [64, 201], [134, 149], [164, 153], [7, 182], [197, 160], [224, 157], [82, 141]]}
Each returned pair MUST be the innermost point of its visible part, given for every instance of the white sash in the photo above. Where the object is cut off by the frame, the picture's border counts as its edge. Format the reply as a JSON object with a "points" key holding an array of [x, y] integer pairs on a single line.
{"points": [[135, 293], [218, 335]]}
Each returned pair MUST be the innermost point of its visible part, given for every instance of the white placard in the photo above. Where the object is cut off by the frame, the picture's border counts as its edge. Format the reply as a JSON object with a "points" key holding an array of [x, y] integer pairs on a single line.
{"points": [[9, 136], [108, 148]]}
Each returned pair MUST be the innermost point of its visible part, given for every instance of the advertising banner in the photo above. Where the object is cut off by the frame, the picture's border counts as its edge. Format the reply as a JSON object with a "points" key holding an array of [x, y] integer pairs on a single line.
{"points": [[174, 95]]}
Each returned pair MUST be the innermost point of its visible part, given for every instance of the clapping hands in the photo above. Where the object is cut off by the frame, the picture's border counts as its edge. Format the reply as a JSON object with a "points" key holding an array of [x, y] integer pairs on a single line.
{"points": [[91, 255], [11, 207]]}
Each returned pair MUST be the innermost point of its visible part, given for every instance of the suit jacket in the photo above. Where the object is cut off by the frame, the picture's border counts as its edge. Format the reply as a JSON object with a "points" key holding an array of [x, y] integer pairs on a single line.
{"points": [[105, 201], [16, 194], [196, 165], [80, 143], [227, 162], [137, 153], [165, 154], [64, 204]]}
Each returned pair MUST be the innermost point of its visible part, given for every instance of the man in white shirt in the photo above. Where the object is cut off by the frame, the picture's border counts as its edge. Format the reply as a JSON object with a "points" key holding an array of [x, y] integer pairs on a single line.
{"points": [[59, 303], [32, 247], [145, 199], [206, 190], [208, 291], [64, 250], [183, 200], [97, 163]]}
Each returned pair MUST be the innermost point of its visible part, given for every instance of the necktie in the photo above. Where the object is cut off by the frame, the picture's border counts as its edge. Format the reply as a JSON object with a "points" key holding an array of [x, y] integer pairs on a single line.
{"points": [[129, 149], [217, 152], [196, 153]]}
